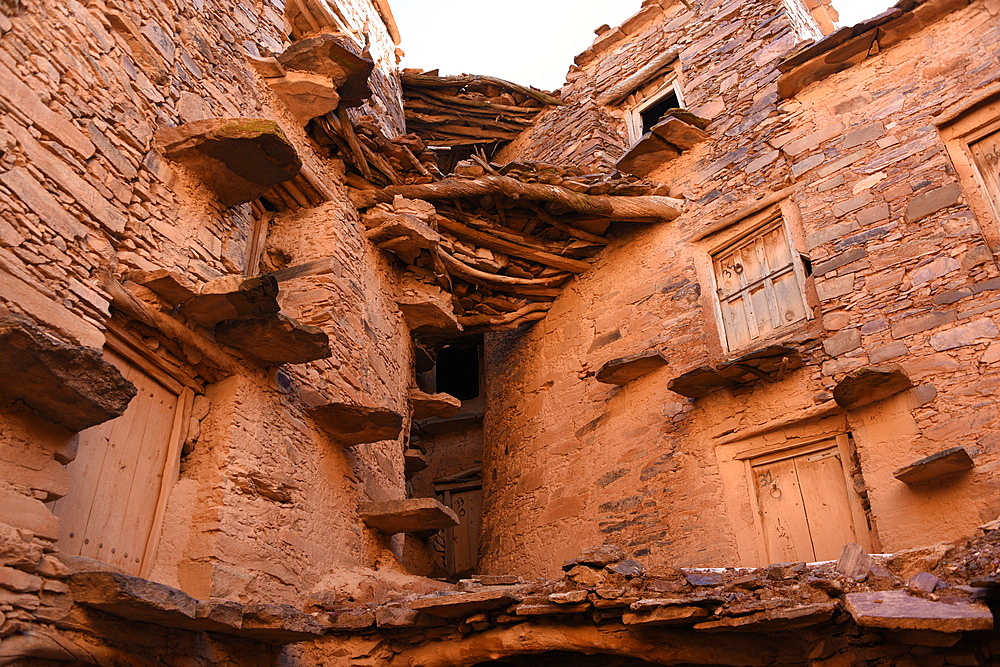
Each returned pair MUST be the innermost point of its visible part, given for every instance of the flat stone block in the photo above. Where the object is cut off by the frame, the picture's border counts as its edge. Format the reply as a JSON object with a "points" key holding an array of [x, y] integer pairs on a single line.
{"points": [[678, 133], [870, 384], [237, 158], [898, 610], [278, 339], [463, 604], [935, 466], [429, 315], [232, 297], [66, 384], [646, 156], [278, 624], [699, 382], [413, 461], [328, 56], [173, 287], [676, 615], [625, 369], [440, 405], [410, 515], [306, 95], [775, 620], [353, 424], [133, 598]]}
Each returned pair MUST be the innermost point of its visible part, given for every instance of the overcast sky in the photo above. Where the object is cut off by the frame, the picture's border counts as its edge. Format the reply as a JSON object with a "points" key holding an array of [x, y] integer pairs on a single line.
{"points": [[529, 42]]}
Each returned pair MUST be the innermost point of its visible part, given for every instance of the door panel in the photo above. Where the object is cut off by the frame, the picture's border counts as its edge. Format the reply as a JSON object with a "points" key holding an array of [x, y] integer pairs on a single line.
{"points": [[464, 538], [115, 480], [821, 477], [779, 500]]}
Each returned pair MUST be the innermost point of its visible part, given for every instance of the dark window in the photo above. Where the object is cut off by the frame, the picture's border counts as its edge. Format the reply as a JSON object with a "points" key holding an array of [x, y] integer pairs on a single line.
{"points": [[458, 371], [652, 115]]}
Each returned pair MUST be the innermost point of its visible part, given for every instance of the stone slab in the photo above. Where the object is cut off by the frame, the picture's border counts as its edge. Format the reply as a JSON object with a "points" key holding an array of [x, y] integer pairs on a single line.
{"points": [[775, 620], [650, 153], [679, 134], [410, 515], [277, 339], [427, 406], [935, 466], [673, 615], [326, 55], [66, 384], [237, 158], [278, 624], [232, 297], [699, 382], [463, 604], [354, 424], [898, 610], [870, 384], [626, 369], [133, 598]]}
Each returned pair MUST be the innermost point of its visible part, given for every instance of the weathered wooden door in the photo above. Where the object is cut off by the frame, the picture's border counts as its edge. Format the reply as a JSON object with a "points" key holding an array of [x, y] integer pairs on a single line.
{"points": [[462, 547], [804, 504], [986, 153], [121, 473]]}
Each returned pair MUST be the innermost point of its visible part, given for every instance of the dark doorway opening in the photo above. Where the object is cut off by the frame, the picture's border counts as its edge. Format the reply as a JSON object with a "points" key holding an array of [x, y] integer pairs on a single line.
{"points": [[457, 371]]}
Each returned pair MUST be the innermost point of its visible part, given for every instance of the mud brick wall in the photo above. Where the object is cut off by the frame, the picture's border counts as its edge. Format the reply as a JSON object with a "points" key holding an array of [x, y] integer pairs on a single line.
{"points": [[903, 273], [264, 507]]}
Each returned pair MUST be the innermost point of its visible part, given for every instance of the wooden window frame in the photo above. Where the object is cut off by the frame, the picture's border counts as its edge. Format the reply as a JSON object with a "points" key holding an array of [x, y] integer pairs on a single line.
{"points": [[743, 232], [633, 118], [960, 128]]}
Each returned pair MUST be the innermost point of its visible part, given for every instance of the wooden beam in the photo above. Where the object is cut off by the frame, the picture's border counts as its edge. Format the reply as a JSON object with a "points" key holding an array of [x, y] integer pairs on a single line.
{"points": [[460, 269], [517, 249], [639, 208], [430, 81]]}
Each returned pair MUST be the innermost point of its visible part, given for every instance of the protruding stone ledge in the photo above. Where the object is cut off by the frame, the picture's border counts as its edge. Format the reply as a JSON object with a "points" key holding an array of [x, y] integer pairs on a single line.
{"points": [[354, 424], [946, 462], [769, 364], [327, 56], [676, 133], [232, 297], [66, 384], [411, 515], [867, 385], [278, 624], [237, 158], [463, 604], [427, 406], [413, 461], [625, 369], [278, 339], [898, 610]]}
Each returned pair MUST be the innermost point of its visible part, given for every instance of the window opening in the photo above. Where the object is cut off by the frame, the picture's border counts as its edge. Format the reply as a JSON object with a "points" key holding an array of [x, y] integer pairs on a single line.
{"points": [[457, 371], [652, 115], [650, 111]]}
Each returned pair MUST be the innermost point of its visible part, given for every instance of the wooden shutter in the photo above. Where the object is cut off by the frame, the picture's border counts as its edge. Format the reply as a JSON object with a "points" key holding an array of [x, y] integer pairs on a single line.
{"points": [[122, 473], [760, 286]]}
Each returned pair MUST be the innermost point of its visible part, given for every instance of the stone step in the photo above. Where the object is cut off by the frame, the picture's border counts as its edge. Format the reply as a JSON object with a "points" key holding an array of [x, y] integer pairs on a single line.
{"points": [[946, 462], [277, 339], [626, 369], [354, 424]]}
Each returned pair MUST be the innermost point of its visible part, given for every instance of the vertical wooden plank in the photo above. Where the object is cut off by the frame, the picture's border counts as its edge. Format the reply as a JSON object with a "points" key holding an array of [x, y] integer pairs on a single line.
{"points": [[782, 512], [828, 512], [171, 471]]}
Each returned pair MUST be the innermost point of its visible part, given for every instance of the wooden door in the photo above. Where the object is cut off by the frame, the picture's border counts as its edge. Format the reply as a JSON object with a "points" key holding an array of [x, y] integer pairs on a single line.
{"points": [[986, 153], [462, 551], [804, 504], [120, 477]]}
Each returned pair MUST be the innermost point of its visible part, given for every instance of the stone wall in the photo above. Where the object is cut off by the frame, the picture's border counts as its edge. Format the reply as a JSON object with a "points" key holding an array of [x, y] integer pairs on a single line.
{"points": [[902, 273], [264, 507]]}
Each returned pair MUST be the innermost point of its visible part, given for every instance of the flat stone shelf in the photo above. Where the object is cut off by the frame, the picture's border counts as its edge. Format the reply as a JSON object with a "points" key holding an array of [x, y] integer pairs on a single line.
{"points": [[413, 461], [354, 424], [461, 605], [66, 384], [226, 298], [870, 384], [946, 462], [678, 131], [137, 599], [623, 370], [428, 406], [327, 55], [239, 159], [411, 515], [768, 364], [898, 610], [277, 339]]}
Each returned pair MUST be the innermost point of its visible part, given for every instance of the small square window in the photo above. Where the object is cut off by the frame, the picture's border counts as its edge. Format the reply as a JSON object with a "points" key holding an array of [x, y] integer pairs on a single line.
{"points": [[650, 111], [760, 284]]}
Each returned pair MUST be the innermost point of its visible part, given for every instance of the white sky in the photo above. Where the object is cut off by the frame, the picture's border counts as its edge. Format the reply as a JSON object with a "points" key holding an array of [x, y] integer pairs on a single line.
{"points": [[530, 42]]}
